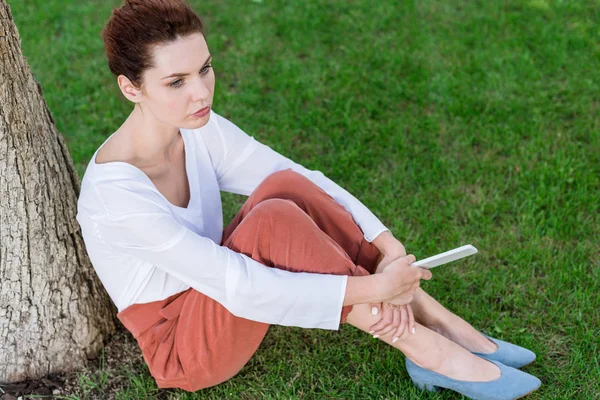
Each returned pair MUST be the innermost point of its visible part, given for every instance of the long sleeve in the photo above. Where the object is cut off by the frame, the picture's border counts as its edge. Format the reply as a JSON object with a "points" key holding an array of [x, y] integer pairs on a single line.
{"points": [[241, 163], [137, 222]]}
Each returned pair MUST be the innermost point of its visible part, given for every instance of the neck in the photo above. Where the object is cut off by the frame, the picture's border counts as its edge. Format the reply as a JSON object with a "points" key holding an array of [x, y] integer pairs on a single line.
{"points": [[152, 139]]}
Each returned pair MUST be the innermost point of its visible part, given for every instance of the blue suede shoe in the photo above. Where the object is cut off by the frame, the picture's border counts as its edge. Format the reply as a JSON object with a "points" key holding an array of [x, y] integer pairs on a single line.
{"points": [[509, 354], [511, 384]]}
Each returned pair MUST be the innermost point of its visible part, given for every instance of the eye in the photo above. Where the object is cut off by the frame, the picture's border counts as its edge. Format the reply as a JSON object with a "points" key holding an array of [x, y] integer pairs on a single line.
{"points": [[176, 83], [208, 67]]}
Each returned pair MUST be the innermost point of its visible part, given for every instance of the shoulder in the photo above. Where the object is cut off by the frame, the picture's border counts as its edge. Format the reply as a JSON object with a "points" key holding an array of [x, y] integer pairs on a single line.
{"points": [[128, 195], [117, 194], [113, 185], [117, 148]]}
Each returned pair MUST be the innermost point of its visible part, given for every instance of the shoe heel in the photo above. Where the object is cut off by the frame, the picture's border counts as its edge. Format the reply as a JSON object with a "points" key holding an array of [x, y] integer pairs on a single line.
{"points": [[426, 386]]}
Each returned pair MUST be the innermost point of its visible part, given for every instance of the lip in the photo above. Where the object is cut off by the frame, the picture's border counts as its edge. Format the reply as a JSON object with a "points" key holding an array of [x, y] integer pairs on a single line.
{"points": [[202, 112]]}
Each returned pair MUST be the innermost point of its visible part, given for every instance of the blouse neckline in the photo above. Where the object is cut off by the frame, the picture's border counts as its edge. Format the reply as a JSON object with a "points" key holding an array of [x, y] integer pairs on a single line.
{"points": [[189, 170]]}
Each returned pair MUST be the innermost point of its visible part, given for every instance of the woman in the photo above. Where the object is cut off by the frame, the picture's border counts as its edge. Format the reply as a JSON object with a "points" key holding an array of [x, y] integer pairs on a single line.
{"points": [[301, 251]]}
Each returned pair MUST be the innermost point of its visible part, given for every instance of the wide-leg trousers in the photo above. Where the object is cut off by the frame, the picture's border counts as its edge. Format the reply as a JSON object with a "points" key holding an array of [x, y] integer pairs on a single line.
{"points": [[190, 341]]}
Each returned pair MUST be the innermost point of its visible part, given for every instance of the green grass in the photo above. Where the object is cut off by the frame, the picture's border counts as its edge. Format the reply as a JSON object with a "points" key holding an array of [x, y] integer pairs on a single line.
{"points": [[455, 122]]}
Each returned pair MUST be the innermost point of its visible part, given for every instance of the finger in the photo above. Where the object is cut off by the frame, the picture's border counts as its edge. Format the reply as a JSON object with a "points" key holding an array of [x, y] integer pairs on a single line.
{"points": [[411, 319], [402, 327], [411, 259], [386, 319], [402, 299], [393, 325], [426, 274], [376, 326], [404, 322], [375, 308]]}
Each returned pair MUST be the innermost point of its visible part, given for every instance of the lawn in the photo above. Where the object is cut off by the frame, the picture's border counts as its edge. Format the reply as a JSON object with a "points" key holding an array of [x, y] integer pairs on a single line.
{"points": [[455, 122]]}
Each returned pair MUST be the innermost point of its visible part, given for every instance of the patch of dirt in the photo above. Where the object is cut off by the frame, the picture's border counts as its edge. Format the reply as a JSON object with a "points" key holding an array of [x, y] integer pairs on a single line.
{"points": [[102, 377]]}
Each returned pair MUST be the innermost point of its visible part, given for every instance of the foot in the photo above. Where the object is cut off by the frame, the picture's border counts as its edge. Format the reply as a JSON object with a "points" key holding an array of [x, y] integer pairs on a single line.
{"points": [[457, 363], [509, 354], [462, 333], [512, 384], [463, 367]]}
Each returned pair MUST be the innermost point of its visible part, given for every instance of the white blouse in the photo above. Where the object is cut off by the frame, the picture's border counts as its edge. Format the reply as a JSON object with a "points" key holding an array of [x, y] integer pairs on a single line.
{"points": [[145, 249]]}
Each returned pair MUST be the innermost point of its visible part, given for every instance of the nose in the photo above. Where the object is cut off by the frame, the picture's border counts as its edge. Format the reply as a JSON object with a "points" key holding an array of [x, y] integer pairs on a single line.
{"points": [[200, 91]]}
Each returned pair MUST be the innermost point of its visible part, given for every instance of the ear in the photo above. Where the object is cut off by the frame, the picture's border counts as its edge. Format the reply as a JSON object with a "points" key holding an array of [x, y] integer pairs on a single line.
{"points": [[129, 90]]}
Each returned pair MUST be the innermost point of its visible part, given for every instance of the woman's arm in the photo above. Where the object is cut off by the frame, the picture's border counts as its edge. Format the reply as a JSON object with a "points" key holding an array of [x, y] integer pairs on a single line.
{"points": [[387, 243], [241, 163], [397, 284], [137, 222], [364, 289]]}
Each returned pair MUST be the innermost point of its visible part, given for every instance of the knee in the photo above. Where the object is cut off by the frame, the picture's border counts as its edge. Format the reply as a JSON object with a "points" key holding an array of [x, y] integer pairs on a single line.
{"points": [[275, 208], [285, 179]]}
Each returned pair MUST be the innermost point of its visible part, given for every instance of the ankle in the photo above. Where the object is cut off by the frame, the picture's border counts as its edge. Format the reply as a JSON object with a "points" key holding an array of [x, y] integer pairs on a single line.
{"points": [[443, 326], [424, 361], [434, 356], [487, 346], [459, 331]]}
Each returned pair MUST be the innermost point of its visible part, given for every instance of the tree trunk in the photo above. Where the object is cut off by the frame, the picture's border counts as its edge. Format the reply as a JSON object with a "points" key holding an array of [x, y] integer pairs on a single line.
{"points": [[54, 312]]}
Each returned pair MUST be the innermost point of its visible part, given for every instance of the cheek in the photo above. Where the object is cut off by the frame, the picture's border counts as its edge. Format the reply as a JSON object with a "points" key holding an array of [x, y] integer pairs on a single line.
{"points": [[175, 104]]}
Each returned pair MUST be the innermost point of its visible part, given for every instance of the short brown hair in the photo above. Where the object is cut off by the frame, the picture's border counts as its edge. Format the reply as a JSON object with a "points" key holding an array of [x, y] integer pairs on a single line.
{"points": [[138, 25]]}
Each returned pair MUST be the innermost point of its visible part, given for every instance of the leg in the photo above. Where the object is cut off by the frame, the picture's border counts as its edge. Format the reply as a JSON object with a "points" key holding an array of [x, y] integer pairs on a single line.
{"points": [[332, 221], [277, 233], [191, 341], [331, 217], [430, 350], [432, 314], [338, 224]]}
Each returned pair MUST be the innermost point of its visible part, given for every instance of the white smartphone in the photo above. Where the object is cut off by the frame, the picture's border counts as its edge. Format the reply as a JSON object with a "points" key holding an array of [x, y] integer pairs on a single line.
{"points": [[446, 257]]}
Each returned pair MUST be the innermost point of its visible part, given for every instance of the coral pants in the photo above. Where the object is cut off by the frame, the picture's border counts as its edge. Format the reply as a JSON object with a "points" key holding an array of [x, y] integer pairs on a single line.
{"points": [[190, 341]]}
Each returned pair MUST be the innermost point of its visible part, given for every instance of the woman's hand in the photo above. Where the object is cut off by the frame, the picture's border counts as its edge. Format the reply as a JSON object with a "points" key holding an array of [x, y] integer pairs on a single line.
{"points": [[390, 249], [393, 316], [394, 319], [401, 280]]}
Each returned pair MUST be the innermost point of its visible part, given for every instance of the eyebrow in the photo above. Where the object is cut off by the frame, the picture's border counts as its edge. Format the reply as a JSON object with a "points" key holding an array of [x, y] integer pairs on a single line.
{"points": [[180, 74]]}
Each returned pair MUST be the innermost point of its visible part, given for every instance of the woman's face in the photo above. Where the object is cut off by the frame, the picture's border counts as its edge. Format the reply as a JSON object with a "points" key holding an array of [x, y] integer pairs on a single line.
{"points": [[181, 82]]}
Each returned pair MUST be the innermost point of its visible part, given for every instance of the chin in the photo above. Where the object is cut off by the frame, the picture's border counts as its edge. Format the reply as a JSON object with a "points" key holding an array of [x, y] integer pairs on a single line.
{"points": [[197, 123]]}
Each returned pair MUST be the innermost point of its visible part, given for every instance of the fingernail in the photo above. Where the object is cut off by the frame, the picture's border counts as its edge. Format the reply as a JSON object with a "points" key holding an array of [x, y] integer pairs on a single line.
{"points": [[413, 330], [371, 332], [375, 336], [374, 310], [395, 339]]}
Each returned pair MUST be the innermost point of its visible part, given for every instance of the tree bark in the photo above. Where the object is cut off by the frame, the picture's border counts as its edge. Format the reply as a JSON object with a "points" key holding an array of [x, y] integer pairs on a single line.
{"points": [[54, 312]]}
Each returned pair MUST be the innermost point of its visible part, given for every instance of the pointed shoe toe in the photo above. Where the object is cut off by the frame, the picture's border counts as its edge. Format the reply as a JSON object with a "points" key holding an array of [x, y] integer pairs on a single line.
{"points": [[508, 354], [512, 383]]}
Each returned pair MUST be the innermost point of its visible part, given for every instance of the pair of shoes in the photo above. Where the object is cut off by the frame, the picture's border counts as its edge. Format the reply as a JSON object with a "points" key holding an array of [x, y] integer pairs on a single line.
{"points": [[508, 354], [511, 384]]}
